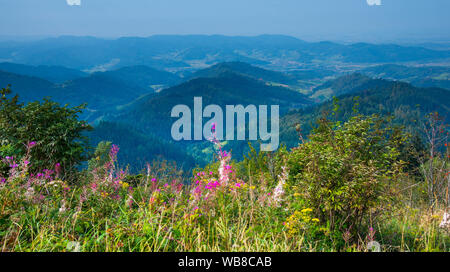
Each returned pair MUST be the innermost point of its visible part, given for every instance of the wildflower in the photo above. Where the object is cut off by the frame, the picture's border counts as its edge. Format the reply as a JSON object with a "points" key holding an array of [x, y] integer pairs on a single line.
{"points": [[29, 193], [224, 177], [153, 179], [113, 152], [279, 190], [63, 207], [31, 144], [445, 223]]}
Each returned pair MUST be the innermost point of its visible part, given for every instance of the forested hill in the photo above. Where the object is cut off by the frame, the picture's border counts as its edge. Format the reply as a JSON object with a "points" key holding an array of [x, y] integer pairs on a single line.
{"points": [[228, 88], [246, 69], [103, 92], [55, 74], [408, 104], [420, 76]]}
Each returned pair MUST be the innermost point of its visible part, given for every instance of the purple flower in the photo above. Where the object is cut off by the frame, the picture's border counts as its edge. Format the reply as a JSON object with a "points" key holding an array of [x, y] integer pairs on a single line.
{"points": [[114, 150], [31, 144]]}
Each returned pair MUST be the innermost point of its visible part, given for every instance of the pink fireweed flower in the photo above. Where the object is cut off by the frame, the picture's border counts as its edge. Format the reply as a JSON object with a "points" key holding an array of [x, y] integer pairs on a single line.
{"points": [[94, 187], [113, 152], [153, 179], [31, 144], [224, 170], [58, 169]]}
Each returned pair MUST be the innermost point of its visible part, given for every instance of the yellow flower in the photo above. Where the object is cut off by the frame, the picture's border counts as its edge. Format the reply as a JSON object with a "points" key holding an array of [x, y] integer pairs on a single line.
{"points": [[315, 220], [306, 210]]}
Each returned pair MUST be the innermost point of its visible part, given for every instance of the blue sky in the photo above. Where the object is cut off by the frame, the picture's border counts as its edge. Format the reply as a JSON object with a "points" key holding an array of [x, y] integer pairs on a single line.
{"points": [[351, 20]]}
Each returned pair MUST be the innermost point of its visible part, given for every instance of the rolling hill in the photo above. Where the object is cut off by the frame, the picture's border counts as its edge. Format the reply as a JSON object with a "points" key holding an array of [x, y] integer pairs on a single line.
{"points": [[55, 74], [103, 92], [423, 76], [407, 103], [152, 112]]}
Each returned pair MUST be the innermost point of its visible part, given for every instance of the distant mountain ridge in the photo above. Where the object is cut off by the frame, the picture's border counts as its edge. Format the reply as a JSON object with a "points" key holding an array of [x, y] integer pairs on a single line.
{"points": [[55, 74], [195, 51]]}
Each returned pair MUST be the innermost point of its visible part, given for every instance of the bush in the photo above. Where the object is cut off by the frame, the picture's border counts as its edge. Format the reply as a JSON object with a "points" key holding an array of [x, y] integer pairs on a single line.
{"points": [[54, 131], [345, 172]]}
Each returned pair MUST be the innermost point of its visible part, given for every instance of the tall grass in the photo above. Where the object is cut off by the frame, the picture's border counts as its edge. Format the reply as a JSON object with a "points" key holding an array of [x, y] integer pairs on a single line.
{"points": [[109, 210]]}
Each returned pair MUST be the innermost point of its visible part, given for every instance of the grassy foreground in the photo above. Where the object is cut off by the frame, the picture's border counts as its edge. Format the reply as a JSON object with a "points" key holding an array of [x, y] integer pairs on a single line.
{"points": [[324, 195]]}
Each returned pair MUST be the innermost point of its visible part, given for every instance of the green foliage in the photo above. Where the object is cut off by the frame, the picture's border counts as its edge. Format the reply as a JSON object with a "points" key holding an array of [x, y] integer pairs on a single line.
{"points": [[138, 148], [100, 156], [346, 172], [55, 131]]}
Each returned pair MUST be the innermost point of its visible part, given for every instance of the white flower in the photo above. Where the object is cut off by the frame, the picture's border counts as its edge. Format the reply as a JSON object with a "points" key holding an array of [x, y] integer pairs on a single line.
{"points": [[445, 223], [278, 193], [63, 207]]}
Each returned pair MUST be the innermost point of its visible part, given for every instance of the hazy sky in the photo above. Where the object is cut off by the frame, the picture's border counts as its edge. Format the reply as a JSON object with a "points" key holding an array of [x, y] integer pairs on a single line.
{"points": [[351, 20]]}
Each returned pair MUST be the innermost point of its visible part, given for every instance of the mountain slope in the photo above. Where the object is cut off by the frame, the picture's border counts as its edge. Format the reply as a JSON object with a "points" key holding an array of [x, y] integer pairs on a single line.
{"points": [[426, 76], [137, 149], [245, 69], [339, 86], [103, 94], [408, 105], [55, 74], [142, 77], [29, 88], [153, 112]]}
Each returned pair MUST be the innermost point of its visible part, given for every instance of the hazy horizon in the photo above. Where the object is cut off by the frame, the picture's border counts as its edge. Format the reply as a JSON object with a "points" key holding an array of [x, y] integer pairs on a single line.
{"points": [[408, 21]]}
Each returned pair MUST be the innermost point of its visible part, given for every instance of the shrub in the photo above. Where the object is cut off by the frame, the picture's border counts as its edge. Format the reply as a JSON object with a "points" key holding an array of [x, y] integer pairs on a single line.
{"points": [[53, 130], [345, 171]]}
